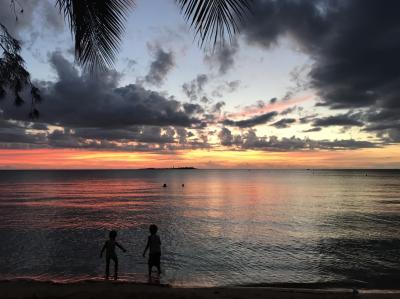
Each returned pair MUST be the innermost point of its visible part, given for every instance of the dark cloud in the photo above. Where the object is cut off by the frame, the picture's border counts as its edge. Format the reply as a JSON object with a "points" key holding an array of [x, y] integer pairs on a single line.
{"points": [[227, 87], [348, 120], [38, 126], [84, 101], [273, 100], [223, 57], [205, 100], [192, 108], [288, 110], [130, 65], [228, 139], [346, 144], [384, 123], [163, 63], [216, 108], [284, 123], [195, 88], [16, 135], [316, 129], [307, 119], [225, 137], [253, 121], [139, 139], [92, 111], [233, 85], [272, 19], [250, 140], [354, 46]]}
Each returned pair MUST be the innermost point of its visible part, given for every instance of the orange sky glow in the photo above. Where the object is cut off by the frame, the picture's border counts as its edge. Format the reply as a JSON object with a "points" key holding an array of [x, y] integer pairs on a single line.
{"points": [[387, 157]]}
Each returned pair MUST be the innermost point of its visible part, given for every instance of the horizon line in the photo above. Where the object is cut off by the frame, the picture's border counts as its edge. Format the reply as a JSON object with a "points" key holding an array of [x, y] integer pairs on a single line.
{"points": [[183, 168]]}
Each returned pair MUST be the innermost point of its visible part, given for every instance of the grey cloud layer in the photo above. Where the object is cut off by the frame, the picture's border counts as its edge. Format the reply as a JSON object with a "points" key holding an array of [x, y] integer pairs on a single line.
{"points": [[83, 101], [338, 120], [94, 112], [250, 140], [253, 121]]}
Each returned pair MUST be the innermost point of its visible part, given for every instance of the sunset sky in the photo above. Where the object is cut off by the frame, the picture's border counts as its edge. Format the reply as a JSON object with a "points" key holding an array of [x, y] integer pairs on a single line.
{"points": [[306, 84]]}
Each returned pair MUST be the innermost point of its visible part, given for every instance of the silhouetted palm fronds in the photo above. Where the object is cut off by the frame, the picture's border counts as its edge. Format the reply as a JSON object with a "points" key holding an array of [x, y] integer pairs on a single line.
{"points": [[213, 20], [97, 26]]}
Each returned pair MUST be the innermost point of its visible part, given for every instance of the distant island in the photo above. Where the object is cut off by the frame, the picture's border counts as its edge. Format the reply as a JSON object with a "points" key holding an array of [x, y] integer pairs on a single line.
{"points": [[168, 168]]}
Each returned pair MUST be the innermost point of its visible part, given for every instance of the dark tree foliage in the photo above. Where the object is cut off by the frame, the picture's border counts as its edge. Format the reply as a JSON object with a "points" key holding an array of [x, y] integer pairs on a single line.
{"points": [[13, 75]]}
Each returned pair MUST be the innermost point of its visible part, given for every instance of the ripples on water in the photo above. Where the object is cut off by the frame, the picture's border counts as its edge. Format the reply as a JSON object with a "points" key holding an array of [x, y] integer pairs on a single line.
{"points": [[222, 228]]}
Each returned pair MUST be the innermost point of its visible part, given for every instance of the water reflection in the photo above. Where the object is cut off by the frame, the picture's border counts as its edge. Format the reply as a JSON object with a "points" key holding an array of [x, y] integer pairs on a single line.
{"points": [[223, 227]]}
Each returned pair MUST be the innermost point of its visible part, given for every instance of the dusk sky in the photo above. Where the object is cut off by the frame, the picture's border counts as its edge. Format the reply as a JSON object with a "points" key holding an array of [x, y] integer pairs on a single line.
{"points": [[306, 84]]}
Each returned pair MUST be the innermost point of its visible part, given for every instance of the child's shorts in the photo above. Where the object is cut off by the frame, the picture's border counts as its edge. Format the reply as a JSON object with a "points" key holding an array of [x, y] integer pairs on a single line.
{"points": [[154, 259]]}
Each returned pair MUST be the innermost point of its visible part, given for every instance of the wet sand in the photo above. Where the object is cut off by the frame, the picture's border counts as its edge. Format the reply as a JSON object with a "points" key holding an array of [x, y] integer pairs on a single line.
{"points": [[121, 290]]}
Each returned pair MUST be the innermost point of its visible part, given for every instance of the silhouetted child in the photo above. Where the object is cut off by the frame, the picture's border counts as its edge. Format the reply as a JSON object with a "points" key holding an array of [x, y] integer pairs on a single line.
{"points": [[154, 244], [109, 247]]}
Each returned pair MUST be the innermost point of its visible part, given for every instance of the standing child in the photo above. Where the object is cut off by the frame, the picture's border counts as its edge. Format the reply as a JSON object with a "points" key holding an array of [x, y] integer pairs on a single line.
{"points": [[109, 247], [154, 244]]}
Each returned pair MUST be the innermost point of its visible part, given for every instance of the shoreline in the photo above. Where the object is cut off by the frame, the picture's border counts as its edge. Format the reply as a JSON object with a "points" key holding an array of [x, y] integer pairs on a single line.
{"points": [[142, 280], [24, 288]]}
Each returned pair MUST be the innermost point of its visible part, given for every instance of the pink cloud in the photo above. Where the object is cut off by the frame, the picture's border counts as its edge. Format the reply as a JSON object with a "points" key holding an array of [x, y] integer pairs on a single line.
{"points": [[256, 109]]}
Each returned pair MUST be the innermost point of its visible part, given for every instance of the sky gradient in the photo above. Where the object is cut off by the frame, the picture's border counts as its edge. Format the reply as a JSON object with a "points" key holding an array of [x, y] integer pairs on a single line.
{"points": [[306, 84]]}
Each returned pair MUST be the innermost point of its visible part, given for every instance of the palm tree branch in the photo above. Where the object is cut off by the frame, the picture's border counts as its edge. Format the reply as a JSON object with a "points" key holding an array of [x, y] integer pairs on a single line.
{"points": [[214, 20], [97, 26]]}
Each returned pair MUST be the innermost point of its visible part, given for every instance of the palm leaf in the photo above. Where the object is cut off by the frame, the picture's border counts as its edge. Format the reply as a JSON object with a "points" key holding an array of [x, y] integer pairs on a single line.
{"points": [[214, 20], [97, 26]]}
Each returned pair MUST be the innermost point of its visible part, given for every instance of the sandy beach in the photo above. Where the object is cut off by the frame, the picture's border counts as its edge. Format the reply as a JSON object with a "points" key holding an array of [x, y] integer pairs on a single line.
{"points": [[120, 290]]}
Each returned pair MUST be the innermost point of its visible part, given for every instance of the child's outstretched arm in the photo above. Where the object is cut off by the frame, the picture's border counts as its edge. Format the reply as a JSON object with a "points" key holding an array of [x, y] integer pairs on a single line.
{"points": [[147, 247], [120, 246], [102, 250]]}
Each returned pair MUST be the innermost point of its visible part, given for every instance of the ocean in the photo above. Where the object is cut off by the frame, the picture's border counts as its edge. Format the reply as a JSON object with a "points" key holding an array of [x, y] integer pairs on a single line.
{"points": [[223, 227]]}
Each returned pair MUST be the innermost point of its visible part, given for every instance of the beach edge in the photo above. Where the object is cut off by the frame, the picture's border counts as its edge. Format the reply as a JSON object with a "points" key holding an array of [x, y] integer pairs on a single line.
{"points": [[109, 290]]}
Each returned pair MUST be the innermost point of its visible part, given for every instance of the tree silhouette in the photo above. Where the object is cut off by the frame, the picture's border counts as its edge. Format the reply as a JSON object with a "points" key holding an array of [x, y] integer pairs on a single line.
{"points": [[13, 75]]}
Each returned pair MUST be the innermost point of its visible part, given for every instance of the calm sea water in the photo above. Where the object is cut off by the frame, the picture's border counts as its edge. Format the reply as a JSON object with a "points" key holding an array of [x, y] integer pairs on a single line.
{"points": [[224, 227]]}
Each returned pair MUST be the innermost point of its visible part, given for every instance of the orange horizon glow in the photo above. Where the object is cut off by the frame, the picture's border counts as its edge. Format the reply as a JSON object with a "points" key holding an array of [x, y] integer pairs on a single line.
{"points": [[386, 157]]}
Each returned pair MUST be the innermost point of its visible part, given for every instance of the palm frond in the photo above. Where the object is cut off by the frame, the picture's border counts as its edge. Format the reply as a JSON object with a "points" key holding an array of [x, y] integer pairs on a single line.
{"points": [[97, 26], [214, 20]]}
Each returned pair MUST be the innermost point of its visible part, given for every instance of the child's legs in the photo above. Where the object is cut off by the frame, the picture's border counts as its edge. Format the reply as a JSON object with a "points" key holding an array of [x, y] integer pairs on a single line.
{"points": [[159, 269], [115, 259], [156, 261], [157, 258], [107, 266]]}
